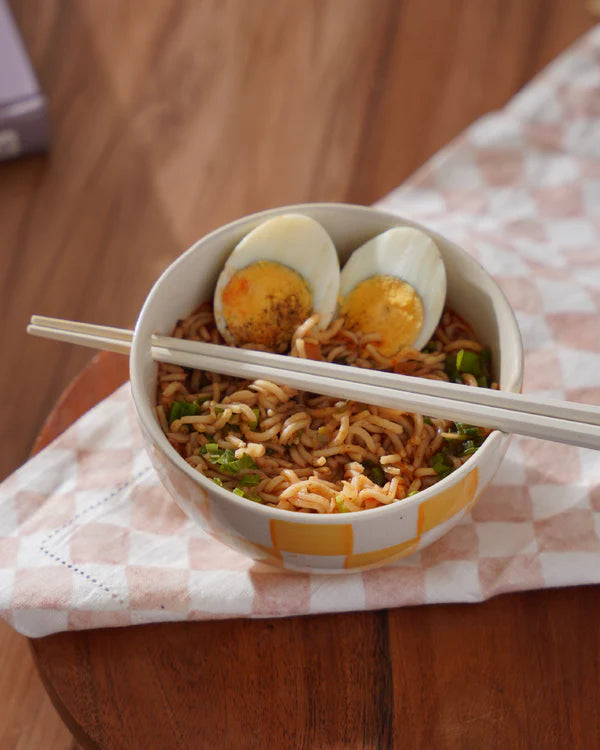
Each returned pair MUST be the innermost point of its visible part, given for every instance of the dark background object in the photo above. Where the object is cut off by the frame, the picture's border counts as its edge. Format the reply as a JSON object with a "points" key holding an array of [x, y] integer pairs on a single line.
{"points": [[23, 119]]}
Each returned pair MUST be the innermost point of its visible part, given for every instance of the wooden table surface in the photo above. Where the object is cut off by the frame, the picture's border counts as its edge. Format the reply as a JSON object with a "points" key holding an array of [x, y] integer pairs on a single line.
{"points": [[170, 118]]}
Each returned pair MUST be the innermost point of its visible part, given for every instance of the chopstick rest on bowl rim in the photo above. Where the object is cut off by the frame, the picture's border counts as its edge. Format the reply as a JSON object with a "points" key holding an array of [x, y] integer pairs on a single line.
{"points": [[559, 421]]}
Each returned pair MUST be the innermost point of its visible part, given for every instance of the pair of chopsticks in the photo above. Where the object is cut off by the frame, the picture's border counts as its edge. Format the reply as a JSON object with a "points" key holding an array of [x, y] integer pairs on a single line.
{"points": [[559, 421]]}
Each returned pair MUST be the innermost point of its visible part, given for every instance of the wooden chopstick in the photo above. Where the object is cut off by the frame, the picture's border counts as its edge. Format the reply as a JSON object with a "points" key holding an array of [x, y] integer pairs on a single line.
{"points": [[569, 410], [121, 334], [435, 388], [85, 334], [560, 421]]}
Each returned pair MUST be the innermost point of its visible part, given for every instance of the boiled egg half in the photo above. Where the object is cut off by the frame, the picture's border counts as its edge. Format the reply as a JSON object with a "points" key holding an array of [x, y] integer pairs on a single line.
{"points": [[394, 286], [279, 274]]}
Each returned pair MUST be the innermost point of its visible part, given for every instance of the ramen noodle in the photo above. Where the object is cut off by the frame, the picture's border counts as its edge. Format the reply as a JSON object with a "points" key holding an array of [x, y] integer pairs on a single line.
{"points": [[303, 452]]}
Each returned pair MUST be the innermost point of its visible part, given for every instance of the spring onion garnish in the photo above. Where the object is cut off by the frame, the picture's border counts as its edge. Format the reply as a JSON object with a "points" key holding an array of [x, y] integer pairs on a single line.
{"points": [[250, 480], [182, 409], [322, 435], [339, 501], [467, 361], [377, 475], [218, 481], [466, 429], [468, 439], [253, 425], [241, 492], [413, 492], [374, 472], [442, 465], [245, 462], [450, 368], [226, 460], [469, 447]]}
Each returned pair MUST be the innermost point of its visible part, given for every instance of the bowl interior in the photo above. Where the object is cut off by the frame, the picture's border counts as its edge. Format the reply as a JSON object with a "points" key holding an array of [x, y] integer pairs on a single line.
{"points": [[191, 278]]}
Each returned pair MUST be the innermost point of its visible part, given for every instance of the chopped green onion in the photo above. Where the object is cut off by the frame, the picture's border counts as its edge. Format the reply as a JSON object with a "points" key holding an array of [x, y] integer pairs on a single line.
{"points": [[234, 427], [467, 429], [248, 495], [253, 425], [226, 459], [469, 448], [339, 501], [430, 347], [245, 462], [467, 361], [234, 465], [322, 435], [442, 465], [218, 481], [201, 399], [482, 381], [413, 492], [377, 475], [450, 366], [250, 479], [219, 410], [427, 420], [182, 409]]}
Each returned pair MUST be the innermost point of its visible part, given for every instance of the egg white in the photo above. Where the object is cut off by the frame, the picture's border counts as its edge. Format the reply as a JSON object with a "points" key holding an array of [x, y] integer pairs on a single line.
{"points": [[408, 254], [295, 241]]}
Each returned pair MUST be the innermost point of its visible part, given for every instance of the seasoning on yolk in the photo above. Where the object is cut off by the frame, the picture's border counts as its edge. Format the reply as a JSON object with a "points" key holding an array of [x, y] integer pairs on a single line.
{"points": [[264, 303], [387, 306]]}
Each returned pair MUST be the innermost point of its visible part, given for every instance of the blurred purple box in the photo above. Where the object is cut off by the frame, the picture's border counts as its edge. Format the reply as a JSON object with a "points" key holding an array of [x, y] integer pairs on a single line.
{"points": [[23, 119]]}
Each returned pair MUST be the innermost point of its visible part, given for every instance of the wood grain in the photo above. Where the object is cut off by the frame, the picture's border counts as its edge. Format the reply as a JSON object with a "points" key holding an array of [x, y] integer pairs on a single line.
{"points": [[170, 118], [507, 673]]}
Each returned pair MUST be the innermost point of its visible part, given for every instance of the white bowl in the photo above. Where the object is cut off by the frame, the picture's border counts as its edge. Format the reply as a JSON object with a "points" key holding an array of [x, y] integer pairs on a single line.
{"points": [[306, 542]]}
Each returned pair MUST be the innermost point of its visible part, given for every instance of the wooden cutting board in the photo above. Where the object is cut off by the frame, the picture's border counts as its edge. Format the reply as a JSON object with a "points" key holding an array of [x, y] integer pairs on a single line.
{"points": [[518, 671]]}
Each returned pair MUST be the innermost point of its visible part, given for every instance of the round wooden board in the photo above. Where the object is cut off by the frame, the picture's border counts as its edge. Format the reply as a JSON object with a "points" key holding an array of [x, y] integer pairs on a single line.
{"points": [[518, 671]]}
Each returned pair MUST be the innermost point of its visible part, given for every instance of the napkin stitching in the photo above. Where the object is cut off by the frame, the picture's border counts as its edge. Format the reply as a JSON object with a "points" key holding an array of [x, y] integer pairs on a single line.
{"points": [[80, 572], [114, 492]]}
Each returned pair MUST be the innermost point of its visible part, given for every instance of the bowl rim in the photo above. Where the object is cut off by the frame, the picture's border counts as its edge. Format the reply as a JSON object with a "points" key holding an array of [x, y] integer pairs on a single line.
{"points": [[155, 432]]}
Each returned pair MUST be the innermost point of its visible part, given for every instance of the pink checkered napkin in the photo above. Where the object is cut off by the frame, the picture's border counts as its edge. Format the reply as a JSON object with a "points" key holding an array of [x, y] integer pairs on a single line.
{"points": [[88, 537]]}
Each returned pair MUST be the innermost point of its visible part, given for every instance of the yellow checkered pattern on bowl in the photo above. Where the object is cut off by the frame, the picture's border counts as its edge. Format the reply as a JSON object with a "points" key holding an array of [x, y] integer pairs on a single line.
{"points": [[338, 540]]}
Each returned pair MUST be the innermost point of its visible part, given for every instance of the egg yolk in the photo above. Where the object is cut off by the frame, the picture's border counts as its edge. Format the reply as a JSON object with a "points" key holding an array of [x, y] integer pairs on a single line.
{"points": [[388, 307], [264, 303]]}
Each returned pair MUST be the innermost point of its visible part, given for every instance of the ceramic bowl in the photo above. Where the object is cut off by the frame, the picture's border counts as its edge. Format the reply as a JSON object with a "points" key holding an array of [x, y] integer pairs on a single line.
{"points": [[322, 543]]}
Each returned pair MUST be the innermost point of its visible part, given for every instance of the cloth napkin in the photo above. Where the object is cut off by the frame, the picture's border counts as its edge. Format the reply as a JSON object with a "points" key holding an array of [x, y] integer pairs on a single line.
{"points": [[88, 537]]}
